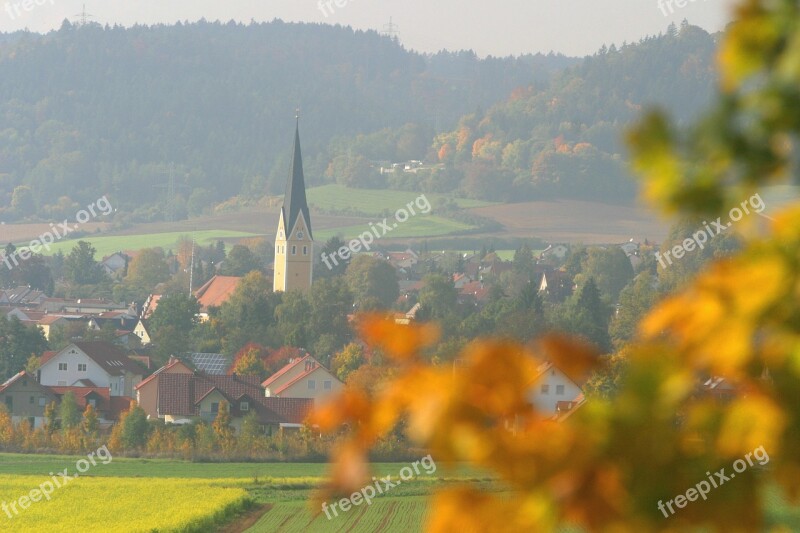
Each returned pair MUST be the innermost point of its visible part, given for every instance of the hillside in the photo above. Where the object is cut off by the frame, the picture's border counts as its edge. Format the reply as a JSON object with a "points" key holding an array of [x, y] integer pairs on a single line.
{"points": [[94, 110], [562, 139]]}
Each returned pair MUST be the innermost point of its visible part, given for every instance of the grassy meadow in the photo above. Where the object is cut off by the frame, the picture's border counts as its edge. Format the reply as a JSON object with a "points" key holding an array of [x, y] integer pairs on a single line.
{"points": [[139, 495], [106, 245], [374, 202]]}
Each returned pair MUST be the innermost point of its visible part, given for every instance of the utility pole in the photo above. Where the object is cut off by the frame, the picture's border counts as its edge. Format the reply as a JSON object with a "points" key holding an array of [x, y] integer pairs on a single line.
{"points": [[83, 17], [391, 29], [191, 270]]}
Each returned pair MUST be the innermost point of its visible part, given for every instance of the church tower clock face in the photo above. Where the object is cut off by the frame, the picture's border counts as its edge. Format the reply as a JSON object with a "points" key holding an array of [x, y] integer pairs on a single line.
{"points": [[300, 235]]}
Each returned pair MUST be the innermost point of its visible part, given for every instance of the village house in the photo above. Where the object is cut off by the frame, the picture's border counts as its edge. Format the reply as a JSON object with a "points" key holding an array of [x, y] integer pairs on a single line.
{"points": [[107, 407], [215, 292], [552, 387], [92, 364], [303, 377], [184, 398], [147, 390], [26, 399], [141, 330]]}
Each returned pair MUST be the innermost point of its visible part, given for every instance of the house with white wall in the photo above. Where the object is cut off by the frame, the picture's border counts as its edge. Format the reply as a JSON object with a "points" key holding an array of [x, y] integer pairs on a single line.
{"points": [[91, 364], [552, 386], [303, 377]]}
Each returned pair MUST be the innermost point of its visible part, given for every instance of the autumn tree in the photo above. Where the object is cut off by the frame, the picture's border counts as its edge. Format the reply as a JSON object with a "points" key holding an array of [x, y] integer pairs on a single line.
{"points": [[348, 361], [148, 268], [616, 461], [373, 283], [134, 428], [68, 411], [80, 266]]}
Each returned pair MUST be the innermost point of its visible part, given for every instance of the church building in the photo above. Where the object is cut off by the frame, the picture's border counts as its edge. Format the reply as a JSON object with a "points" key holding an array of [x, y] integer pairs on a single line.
{"points": [[294, 243]]}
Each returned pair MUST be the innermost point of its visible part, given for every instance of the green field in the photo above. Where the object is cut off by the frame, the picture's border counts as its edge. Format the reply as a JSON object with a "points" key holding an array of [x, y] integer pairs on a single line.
{"points": [[374, 202], [285, 488], [278, 493], [109, 244], [416, 227]]}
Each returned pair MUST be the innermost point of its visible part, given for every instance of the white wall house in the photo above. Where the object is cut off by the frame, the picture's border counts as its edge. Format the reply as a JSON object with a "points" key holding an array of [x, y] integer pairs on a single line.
{"points": [[552, 386], [91, 364]]}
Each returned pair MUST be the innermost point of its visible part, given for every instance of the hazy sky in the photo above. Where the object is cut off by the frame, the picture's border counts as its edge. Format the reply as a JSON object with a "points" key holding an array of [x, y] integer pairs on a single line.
{"points": [[497, 27]]}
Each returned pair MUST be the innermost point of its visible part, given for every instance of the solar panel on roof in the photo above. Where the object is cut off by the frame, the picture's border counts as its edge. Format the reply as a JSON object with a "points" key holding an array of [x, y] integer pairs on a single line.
{"points": [[210, 363]]}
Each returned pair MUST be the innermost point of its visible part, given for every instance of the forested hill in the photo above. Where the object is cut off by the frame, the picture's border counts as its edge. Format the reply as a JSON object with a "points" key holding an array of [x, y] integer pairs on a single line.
{"points": [[90, 110], [563, 139]]}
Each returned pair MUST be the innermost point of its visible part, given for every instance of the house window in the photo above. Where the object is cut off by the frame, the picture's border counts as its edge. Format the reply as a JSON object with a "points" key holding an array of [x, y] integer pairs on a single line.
{"points": [[244, 406], [93, 403], [32, 400], [294, 249], [327, 384], [10, 402], [42, 401], [62, 367], [312, 385], [81, 367], [559, 390], [215, 407], [62, 383], [545, 389]]}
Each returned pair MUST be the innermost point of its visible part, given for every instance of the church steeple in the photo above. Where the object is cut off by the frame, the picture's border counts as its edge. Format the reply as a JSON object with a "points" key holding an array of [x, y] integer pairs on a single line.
{"points": [[294, 202], [294, 242]]}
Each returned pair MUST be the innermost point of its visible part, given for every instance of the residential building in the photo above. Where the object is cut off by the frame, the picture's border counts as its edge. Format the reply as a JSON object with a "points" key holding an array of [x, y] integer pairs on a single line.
{"points": [[147, 390], [141, 331], [303, 377], [552, 387], [184, 398], [107, 407], [26, 399], [93, 364], [215, 292]]}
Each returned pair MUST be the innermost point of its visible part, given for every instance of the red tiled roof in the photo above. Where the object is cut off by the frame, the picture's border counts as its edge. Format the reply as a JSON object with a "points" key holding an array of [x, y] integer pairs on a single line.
{"points": [[49, 319], [102, 397], [151, 305], [46, 356], [180, 395], [216, 291], [290, 365], [300, 377]]}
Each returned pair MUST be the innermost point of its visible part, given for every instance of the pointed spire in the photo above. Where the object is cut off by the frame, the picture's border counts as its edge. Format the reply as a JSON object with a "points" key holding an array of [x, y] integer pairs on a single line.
{"points": [[295, 202]]}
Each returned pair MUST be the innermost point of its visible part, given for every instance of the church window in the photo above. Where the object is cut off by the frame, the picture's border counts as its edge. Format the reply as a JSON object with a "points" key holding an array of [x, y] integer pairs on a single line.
{"points": [[294, 250], [305, 250]]}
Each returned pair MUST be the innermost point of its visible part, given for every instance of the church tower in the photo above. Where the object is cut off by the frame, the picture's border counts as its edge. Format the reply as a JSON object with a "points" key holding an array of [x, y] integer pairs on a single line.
{"points": [[294, 243]]}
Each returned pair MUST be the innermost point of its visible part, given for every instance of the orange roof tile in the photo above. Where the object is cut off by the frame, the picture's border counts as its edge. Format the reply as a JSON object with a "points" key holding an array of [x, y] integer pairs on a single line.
{"points": [[216, 291]]}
